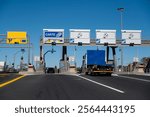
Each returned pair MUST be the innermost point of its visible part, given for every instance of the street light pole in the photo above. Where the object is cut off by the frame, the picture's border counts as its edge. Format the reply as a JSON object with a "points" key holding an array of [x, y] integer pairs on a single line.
{"points": [[28, 49], [15, 58], [32, 52], [22, 50], [121, 27], [6, 59]]}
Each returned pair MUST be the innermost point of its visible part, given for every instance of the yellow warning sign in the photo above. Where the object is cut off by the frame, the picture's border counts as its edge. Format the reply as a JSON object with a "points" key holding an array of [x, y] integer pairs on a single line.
{"points": [[16, 38]]}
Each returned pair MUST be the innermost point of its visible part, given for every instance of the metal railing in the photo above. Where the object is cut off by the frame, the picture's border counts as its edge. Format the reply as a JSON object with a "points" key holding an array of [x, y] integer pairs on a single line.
{"points": [[93, 43]]}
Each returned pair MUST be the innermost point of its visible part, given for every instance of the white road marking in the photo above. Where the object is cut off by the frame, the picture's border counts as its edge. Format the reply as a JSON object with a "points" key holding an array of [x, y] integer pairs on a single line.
{"points": [[114, 74], [114, 89], [134, 78]]}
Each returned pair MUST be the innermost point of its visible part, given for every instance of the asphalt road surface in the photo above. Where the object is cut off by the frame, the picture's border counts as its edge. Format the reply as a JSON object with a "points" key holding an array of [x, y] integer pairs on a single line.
{"points": [[76, 87]]}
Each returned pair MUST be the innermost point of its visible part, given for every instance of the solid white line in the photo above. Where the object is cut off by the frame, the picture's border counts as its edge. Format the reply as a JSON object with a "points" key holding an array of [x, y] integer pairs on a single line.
{"points": [[134, 78], [114, 89]]}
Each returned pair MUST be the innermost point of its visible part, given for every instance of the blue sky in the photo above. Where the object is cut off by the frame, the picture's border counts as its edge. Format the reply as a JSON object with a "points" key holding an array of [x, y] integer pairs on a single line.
{"points": [[35, 15]]}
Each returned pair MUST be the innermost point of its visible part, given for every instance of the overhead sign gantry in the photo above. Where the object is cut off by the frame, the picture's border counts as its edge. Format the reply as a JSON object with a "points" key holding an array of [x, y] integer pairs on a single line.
{"points": [[79, 37], [16, 39], [82, 36]]}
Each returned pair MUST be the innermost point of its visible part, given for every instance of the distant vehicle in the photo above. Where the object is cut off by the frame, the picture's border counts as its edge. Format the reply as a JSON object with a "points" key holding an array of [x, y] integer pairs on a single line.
{"points": [[96, 64], [50, 70], [147, 68]]}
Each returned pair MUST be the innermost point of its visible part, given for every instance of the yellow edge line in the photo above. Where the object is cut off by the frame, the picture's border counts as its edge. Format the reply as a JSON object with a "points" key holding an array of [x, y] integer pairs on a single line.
{"points": [[11, 81]]}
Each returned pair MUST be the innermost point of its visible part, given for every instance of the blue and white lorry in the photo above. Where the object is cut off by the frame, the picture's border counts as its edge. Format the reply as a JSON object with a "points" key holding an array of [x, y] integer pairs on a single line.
{"points": [[96, 64]]}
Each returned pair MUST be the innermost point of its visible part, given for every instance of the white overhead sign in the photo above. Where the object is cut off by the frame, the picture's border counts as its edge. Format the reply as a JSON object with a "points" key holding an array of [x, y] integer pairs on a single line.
{"points": [[53, 35], [105, 36], [77, 35], [131, 36]]}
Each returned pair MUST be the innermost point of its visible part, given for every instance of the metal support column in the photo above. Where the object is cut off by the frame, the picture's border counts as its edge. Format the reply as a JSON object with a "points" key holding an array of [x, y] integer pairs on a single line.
{"points": [[114, 58], [41, 54], [64, 58], [107, 52], [64, 52]]}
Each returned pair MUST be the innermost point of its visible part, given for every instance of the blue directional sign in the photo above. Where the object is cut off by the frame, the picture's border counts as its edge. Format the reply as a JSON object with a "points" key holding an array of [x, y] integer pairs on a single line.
{"points": [[53, 35]]}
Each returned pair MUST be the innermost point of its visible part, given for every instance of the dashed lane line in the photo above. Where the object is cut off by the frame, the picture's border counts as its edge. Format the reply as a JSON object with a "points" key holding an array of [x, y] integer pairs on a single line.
{"points": [[109, 87], [11, 81]]}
